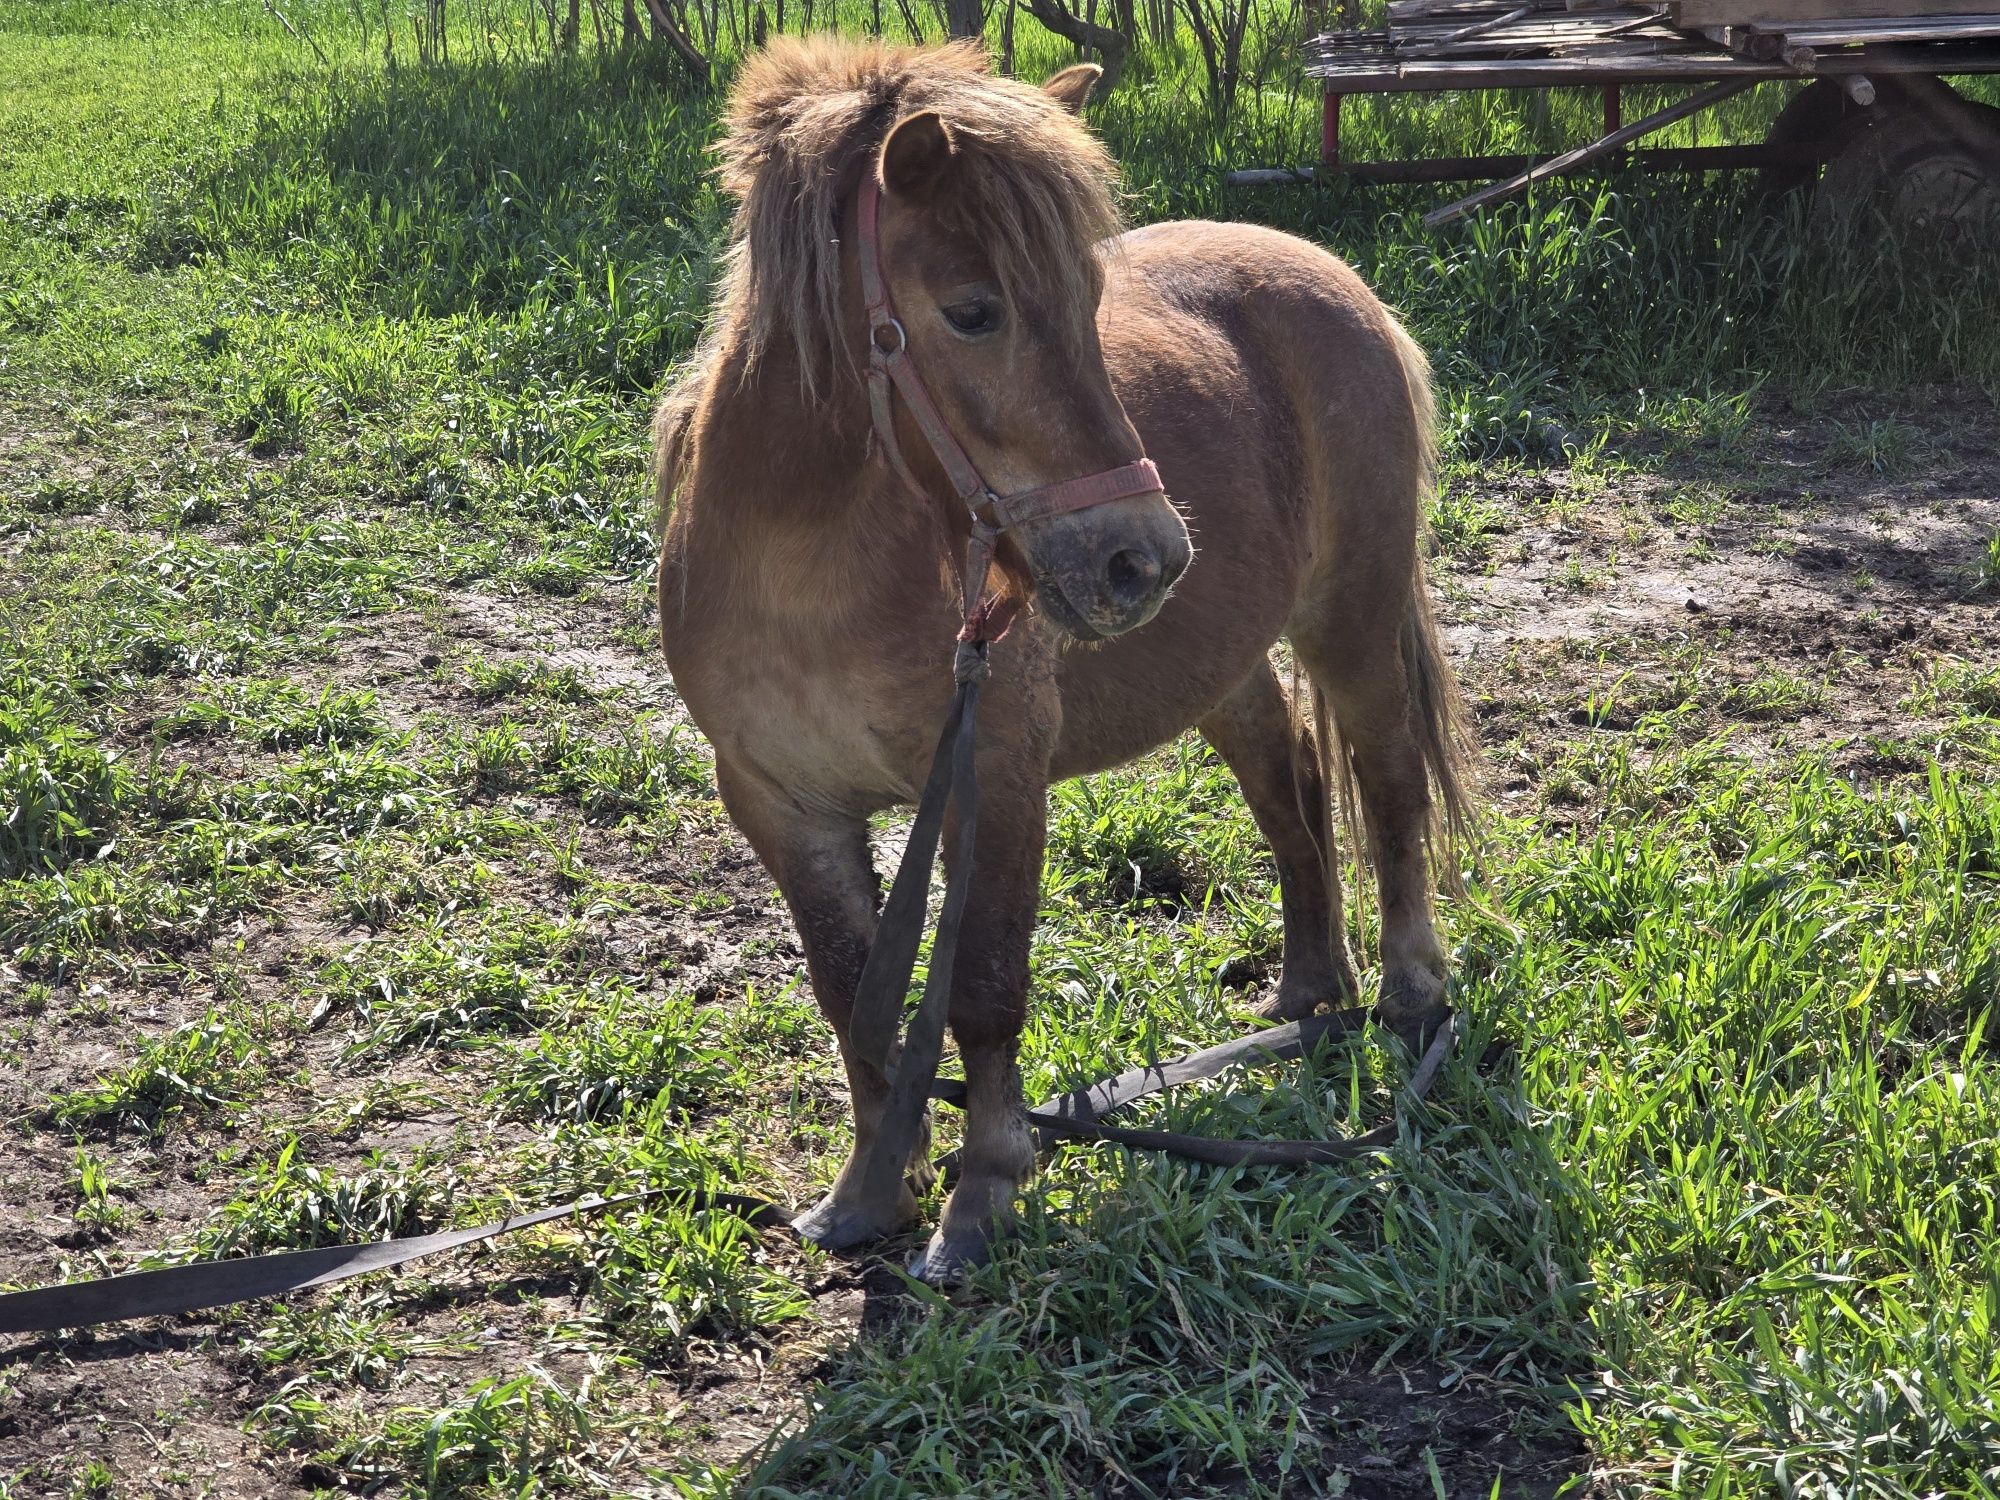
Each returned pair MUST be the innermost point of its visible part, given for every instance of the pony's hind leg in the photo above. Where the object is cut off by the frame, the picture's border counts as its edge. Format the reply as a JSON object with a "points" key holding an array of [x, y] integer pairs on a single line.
{"points": [[1270, 750], [1374, 695]]}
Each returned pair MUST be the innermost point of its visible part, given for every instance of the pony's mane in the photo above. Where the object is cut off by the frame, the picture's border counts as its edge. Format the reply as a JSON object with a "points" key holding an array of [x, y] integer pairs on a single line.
{"points": [[807, 117]]}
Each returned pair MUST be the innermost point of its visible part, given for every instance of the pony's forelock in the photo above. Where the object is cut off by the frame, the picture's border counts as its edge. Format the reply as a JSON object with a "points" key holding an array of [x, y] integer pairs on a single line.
{"points": [[807, 117]]}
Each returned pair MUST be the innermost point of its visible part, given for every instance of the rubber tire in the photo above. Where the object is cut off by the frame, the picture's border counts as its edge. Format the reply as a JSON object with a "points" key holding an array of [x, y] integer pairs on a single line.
{"points": [[1922, 159]]}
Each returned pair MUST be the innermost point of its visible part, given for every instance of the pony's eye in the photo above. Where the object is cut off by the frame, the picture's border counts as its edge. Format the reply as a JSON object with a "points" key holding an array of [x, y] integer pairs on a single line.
{"points": [[977, 316]]}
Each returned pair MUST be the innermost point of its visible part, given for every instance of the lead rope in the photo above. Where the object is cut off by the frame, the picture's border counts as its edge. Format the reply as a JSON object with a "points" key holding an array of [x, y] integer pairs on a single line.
{"points": [[878, 1008]]}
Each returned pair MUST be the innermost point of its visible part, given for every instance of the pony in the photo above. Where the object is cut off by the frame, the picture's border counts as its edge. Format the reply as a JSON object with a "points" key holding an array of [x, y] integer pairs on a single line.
{"points": [[809, 593]]}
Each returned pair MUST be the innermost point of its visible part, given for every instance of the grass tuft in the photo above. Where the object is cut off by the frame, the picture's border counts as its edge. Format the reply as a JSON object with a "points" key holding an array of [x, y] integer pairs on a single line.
{"points": [[202, 1067], [293, 1205], [628, 1056]]}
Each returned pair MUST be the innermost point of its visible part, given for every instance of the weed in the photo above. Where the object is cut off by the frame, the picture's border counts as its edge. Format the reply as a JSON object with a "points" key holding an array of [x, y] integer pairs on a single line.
{"points": [[63, 796], [292, 1205], [632, 1053], [335, 794], [1133, 836], [382, 880], [1775, 695], [1461, 522], [646, 770], [1986, 567], [277, 714], [1882, 445], [658, 1277], [559, 577], [526, 677], [1578, 577], [97, 1207], [1961, 687], [520, 1434], [365, 1346], [453, 982], [202, 1066]]}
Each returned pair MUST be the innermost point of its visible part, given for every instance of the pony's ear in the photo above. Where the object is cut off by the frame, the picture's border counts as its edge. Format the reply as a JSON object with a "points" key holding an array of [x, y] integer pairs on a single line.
{"points": [[917, 156], [1071, 87]]}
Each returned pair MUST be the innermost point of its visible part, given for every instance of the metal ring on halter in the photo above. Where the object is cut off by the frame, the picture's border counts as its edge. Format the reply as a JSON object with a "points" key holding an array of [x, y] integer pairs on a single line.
{"points": [[902, 336]]}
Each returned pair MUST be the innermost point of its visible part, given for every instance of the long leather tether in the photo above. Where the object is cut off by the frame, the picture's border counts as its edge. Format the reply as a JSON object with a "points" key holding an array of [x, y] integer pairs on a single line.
{"points": [[172, 1290]]}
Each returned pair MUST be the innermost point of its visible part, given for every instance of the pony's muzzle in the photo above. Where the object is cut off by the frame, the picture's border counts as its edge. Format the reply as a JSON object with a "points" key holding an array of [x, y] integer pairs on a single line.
{"points": [[1104, 573]]}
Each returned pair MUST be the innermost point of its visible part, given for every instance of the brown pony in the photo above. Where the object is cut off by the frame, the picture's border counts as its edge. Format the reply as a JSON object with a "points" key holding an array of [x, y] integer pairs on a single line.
{"points": [[808, 601]]}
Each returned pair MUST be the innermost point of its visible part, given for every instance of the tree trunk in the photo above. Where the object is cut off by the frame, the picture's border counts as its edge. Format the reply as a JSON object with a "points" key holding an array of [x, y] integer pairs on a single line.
{"points": [[965, 17], [664, 27]]}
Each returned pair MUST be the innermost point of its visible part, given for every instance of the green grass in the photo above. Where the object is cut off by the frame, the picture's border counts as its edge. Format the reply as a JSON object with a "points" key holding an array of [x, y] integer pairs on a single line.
{"points": [[292, 1205], [297, 358], [199, 1067], [276, 714]]}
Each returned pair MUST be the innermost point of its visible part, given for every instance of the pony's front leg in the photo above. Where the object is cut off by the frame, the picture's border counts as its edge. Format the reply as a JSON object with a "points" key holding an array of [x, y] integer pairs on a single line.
{"points": [[989, 1006], [824, 869]]}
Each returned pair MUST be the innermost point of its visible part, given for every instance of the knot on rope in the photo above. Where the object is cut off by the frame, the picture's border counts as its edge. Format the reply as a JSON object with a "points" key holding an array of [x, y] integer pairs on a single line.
{"points": [[970, 664]]}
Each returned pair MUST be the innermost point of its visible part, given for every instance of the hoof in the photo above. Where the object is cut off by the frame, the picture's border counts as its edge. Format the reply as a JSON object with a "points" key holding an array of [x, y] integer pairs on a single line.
{"points": [[946, 1259], [1412, 1005], [1416, 1033], [1283, 1007], [1415, 1026], [834, 1225]]}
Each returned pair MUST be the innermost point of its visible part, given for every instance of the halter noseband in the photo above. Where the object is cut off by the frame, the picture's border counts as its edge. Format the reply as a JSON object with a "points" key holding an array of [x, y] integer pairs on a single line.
{"points": [[890, 366]]}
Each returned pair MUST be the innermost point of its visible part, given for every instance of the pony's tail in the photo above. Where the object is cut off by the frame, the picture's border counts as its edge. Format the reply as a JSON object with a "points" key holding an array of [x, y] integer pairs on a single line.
{"points": [[1437, 710], [673, 422]]}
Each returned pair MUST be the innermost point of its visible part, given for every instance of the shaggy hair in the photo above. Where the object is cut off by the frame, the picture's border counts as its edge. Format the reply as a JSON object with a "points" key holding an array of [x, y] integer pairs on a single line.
{"points": [[808, 116]]}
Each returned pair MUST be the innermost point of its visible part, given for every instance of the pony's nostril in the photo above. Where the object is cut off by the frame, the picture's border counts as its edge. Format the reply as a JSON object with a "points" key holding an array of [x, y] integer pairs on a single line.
{"points": [[1133, 577]]}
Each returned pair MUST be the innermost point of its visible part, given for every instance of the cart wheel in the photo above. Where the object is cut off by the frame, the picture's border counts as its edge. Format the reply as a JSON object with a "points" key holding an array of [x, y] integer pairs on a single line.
{"points": [[1921, 159]]}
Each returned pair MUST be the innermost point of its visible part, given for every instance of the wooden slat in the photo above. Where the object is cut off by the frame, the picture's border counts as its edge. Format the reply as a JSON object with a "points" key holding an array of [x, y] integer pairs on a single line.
{"points": [[1693, 14], [1379, 74], [1402, 11], [1357, 73], [1849, 33], [1485, 168]]}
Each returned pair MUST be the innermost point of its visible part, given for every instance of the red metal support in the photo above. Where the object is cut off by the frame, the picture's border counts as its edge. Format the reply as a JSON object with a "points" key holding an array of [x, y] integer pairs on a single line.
{"points": [[1329, 132], [1613, 114]]}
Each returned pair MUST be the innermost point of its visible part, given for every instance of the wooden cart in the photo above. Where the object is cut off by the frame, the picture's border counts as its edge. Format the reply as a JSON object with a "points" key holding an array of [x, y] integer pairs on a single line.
{"points": [[1875, 111]]}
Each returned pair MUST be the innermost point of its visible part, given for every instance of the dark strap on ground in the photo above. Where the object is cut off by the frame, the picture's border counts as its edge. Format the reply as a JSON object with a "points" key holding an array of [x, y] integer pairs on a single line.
{"points": [[220, 1283], [1078, 1115], [1072, 1116]]}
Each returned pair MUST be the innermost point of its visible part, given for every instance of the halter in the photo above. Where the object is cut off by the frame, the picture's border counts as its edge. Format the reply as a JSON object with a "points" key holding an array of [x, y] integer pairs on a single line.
{"points": [[890, 367]]}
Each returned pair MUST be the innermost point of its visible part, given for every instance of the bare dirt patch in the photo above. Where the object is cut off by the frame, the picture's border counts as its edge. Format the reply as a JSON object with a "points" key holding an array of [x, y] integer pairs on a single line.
{"points": [[1782, 592], [1416, 1434]]}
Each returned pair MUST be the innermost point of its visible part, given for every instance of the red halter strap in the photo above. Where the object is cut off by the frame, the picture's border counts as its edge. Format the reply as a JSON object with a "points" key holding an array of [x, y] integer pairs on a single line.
{"points": [[890, 367]]}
